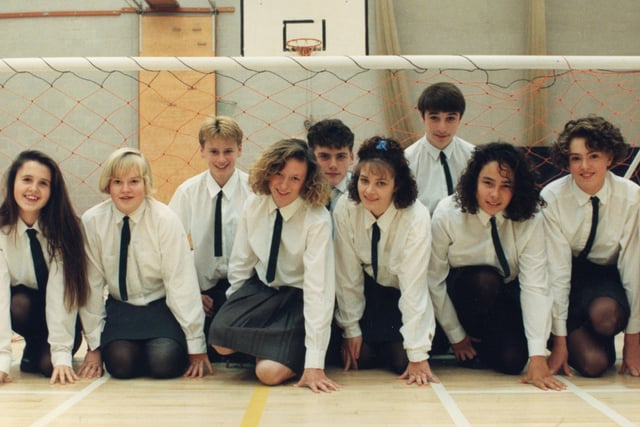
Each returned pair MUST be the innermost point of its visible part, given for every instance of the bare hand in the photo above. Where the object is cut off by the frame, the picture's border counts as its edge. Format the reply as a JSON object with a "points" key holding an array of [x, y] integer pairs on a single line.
{"points": [[207, 305], [92, 365], [197, 365], [317, 381], [540, 376], [559, 358], [4, 377], [419, 373], [351, 352], [631, 355], [63, 374], [464, 350]]}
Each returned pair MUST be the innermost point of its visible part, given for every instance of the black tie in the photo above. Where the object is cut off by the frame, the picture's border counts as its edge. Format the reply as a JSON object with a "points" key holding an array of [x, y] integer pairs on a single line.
{"points": [[39, 264], [447, 172], [125, 236], [217, 231], [375, 238], [595, 203], [275, 247], [498, 246]]}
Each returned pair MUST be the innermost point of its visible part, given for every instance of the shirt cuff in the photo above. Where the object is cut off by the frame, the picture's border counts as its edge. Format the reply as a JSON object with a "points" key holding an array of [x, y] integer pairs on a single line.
{"points": [[5, 362], [456, 335], [418, 355], [559, 327], [59, 358], [314, 359], [196, 345], [633, 327], [537, 348], [351, 331]]}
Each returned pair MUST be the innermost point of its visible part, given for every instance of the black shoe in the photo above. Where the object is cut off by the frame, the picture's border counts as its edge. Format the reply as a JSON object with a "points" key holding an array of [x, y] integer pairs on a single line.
{"points": [[27, 365]]}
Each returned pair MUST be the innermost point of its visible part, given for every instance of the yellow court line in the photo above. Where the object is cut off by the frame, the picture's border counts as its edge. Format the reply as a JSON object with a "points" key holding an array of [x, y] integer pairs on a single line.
{"points": [[253, 414]]}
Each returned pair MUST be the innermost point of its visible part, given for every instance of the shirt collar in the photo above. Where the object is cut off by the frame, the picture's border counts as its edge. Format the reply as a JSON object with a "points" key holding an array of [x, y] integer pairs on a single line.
{"points": [[342, 185], [133, 216], [286, 211], [485, 217], [435, 152], [583, 198], [22, 227], [214, 188], [384, 221]]}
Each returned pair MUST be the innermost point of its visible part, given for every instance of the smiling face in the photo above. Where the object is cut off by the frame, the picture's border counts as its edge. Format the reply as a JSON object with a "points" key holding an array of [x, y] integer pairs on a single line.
{"points": [[441, 127], [495, 188], [31, 190], [285, 185], [127, 191], [376, 186], [588, 167], [221, 154]]}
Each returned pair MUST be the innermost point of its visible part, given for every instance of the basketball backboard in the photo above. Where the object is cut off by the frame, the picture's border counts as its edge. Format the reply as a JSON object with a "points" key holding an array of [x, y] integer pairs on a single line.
{"points": [[339, 25]]}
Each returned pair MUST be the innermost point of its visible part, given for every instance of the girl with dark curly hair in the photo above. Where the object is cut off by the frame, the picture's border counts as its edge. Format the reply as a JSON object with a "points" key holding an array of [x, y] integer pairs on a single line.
{"points": [[382, 249], [281, 271], [591, 221], [488, 267]]}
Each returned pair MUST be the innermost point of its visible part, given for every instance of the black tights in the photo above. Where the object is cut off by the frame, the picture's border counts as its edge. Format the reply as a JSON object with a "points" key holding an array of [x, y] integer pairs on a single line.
{"points": [[387, 355], [157, 358], [591, 349], [28, 320], [490, 311]]}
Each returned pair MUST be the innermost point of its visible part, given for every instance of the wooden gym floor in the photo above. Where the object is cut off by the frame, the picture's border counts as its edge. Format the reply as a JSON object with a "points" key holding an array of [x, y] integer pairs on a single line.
{"points": [[232, 397]]}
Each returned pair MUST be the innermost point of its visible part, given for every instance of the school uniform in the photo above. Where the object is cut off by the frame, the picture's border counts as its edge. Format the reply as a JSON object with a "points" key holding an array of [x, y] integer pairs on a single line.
{"points": [[17, 274], [339, 190], [395, 307], [424, 161], [461, 240], [611, 267], [195, 201], [288, 319], [163, 298]]}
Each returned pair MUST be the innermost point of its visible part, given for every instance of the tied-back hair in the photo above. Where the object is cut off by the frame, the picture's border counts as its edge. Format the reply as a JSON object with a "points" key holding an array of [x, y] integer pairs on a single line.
{"points": [[525, 201], [219, 127], [122, 161], [380, 154], [58, 223], [599, 135], [316, 190]]}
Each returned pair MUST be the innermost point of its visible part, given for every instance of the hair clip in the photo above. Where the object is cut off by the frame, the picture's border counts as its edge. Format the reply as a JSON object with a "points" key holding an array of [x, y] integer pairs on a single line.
{"points": [[381, 145]]}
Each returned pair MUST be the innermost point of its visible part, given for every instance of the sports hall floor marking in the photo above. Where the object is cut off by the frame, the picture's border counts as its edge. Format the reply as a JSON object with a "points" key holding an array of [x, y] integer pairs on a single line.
{"points": [[595, 403], [450, 405], [256, 405], [77, 397]]}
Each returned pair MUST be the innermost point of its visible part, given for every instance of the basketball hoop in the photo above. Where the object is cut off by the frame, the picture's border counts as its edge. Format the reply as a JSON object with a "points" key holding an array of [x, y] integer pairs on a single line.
{"points": [[304, 46]]}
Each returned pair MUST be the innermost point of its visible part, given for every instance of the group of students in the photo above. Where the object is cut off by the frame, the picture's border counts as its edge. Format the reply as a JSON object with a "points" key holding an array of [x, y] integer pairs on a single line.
{"points": [[303, 262]]}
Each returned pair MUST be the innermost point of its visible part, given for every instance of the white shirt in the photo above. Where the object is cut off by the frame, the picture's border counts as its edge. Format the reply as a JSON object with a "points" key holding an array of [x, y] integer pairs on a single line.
{"points": [[305, 261], [195, 201], [16, 268], [159, 264], [339, 190], [463, 239], [568, 222], [404, 248], [424, 161]]}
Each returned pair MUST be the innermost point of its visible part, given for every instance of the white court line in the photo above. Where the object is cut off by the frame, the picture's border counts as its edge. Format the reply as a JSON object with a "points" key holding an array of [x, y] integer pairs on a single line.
{"points": [[53, 392], [450, 405], [43, 421], [609, 412]]}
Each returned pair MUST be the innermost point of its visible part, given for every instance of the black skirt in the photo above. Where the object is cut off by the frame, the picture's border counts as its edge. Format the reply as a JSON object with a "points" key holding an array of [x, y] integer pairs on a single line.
{"points": [[381, 320], [588, 282], [133, 322], [264, 322]]}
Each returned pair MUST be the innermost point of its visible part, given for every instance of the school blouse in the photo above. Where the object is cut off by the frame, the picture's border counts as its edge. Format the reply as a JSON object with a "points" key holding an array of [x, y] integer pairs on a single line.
{"points": [[568, 222], [305, 261], [424, 161], [195, 201], [159, 264], [463, 239], [403, 255], [16, 268]]}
